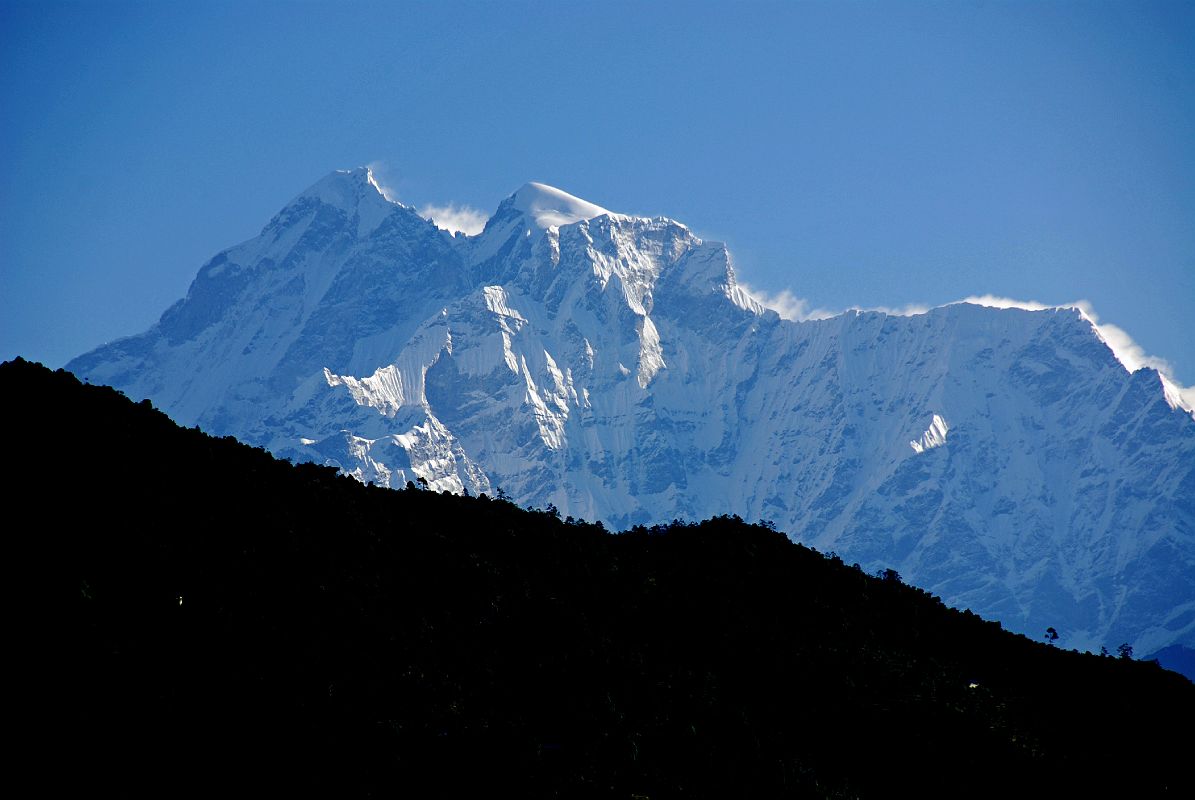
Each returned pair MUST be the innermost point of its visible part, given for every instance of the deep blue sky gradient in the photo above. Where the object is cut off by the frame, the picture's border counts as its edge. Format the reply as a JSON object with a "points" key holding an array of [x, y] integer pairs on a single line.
{"points": [[857, 154]]}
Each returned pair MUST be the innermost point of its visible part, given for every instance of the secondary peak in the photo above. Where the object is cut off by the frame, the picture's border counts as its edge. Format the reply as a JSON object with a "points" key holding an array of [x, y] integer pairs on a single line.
{"points": [[549, 206]]}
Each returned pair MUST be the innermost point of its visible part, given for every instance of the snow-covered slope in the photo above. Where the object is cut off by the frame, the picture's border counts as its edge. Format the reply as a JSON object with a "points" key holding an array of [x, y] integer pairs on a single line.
{"points": [[612, 366]]}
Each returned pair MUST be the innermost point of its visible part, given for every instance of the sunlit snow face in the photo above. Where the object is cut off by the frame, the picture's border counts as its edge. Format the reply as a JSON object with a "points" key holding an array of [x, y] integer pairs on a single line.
{"points": [[550, 207], [1130, 354]]}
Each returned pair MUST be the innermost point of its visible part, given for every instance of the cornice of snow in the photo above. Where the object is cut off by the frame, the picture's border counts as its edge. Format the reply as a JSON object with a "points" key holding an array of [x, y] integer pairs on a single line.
{"points": [[549, 207], [531, 212]]}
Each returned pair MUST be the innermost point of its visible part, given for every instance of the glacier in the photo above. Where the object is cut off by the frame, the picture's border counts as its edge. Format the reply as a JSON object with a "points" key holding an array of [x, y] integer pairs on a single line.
{"points": [[613, 366]]}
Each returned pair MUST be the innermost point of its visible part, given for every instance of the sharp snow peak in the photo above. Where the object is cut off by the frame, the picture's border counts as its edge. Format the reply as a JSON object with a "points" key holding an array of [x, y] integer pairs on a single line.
{"points": [[346, 188]]}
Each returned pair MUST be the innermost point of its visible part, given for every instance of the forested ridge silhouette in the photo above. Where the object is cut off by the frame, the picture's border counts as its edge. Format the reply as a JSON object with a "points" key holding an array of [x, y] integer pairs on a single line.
{"points": [[197, 617]]}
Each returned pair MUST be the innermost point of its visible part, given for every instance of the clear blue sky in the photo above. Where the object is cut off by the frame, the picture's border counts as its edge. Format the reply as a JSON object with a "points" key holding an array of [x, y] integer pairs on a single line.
{"points": [[857, 154]]}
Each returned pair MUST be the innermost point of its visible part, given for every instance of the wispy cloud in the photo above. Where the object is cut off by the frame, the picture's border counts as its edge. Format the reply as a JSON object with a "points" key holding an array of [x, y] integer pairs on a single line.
{"points": [[798, 309], [910, 310], [995, 301], [449, 216], [787, 304], [454, 218]]}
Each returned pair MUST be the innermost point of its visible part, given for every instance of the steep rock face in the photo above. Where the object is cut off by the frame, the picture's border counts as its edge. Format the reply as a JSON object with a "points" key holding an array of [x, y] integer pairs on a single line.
{"points": [[612, 366]]}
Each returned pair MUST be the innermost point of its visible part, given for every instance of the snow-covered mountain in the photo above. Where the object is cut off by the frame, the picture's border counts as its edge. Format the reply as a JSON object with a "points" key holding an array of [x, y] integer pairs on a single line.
{"points": [[612, 366]]}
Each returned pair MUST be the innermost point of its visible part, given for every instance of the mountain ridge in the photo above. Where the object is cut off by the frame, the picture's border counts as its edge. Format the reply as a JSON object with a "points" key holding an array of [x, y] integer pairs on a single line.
{"points": [[614, 368]]}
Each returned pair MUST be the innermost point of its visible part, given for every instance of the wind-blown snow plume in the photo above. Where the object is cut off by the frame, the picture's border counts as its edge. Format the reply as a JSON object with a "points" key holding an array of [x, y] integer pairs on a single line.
{"points": [[909, 310], [449, 216], [786, 304], [379, 176], [455, 219]]}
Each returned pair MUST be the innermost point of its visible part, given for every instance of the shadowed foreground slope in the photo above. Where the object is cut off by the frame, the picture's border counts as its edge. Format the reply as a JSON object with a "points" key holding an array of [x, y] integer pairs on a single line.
{"points": [[206, 618]]}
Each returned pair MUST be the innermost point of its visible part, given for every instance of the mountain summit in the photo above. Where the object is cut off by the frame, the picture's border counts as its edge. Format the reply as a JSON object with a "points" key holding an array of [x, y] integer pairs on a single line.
{"points": [[612, 366], [549, 207]]}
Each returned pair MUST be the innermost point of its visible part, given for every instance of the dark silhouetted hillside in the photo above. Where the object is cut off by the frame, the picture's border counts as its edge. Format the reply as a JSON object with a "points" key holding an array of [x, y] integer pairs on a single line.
{"points": [[195, 617]]}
